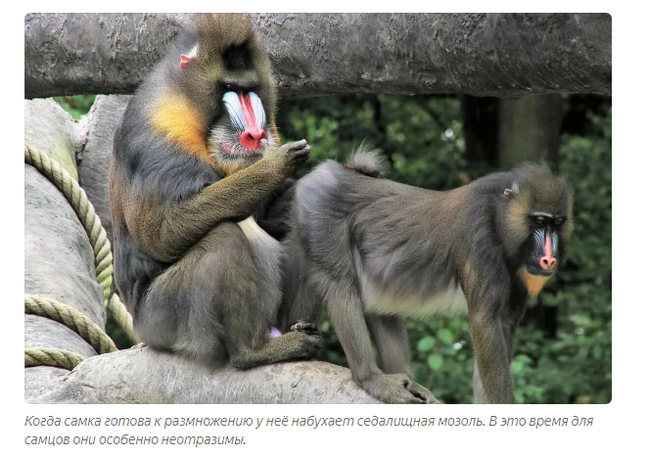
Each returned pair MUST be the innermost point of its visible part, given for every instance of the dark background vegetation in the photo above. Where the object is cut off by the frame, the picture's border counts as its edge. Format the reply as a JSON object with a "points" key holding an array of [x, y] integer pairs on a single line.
{"points": [[563, 352]]}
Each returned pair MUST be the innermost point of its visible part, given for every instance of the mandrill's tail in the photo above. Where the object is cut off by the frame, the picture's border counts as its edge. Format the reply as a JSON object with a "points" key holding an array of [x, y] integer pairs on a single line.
{"points": [[367, 162]]}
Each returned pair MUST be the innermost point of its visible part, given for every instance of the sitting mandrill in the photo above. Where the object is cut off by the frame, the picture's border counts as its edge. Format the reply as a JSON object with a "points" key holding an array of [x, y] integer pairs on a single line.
{"points": [[195, 154], [373, 249]]}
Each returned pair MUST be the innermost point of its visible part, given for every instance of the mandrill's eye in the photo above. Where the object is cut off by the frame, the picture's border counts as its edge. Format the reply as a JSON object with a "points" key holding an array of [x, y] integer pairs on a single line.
{"points": [[539, 221], [558, 221]]}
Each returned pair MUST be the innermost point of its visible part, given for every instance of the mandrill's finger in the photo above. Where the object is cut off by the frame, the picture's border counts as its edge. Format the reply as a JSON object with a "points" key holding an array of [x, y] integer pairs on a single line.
{"points": [[299, 144], [303, 153]]}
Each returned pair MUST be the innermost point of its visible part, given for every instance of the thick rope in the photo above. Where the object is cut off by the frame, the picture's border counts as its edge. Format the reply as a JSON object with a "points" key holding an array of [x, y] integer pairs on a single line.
{"points": [[52, 357], [73, 319], [77, 198]]}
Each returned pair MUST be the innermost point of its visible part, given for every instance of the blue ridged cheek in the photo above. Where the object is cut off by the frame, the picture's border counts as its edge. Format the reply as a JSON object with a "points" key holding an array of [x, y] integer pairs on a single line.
{"points": [[236, 111]]}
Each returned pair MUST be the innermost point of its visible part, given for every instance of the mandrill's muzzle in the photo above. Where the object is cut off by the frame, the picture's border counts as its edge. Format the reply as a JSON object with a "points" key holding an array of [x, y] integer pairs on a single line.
{"points": [[247, 117]]}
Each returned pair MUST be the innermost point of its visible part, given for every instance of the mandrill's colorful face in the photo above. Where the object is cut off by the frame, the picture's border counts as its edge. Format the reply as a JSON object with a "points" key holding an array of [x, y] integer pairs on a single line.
{"points": [[542, 250], [538, 224], [239, 139], [226, 77]]}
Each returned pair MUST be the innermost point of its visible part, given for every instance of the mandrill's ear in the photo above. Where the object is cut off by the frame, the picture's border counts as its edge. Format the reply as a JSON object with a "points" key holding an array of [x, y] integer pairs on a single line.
{"points": [[513, 191], [186, 59]]}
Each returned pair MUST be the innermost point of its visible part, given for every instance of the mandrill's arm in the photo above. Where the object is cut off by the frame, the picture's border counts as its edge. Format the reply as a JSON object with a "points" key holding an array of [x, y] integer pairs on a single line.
{"points": [[166, 231]]}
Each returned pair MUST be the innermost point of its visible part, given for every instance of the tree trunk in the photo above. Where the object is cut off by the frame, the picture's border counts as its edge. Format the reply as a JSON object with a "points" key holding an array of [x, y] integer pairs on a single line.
{"points": [[480, 126], [529, 130], [141, 375]]}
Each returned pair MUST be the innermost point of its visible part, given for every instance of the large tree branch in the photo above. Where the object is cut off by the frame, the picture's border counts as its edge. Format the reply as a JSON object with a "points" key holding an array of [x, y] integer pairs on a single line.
{"points": [[503, 55], [140, 375]]}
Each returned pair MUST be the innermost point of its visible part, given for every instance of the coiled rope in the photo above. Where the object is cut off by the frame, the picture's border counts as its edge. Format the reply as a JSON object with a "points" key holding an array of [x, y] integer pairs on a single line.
{"points": [[78, 200], [52, 357], [73, 319]]}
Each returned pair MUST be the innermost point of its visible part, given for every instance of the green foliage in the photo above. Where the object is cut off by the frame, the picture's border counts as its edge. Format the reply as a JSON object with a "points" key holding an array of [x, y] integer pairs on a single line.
{"points": [[442, 359], [421, 136], [76, 105], [423, 140]]}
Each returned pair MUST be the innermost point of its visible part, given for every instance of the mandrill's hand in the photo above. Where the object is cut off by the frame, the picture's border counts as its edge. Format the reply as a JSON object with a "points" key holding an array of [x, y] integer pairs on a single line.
{"points": [[291, 155]]}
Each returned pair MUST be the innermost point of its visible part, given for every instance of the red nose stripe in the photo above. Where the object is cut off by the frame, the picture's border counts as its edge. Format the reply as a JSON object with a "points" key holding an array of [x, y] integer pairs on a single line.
{"points": [[548, 262], [548, 247], [247, 107], [251, 137]]}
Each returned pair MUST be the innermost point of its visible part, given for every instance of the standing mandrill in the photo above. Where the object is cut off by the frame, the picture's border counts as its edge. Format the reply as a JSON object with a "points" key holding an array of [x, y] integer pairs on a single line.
{"points": [[374, 249], [195, 154]]}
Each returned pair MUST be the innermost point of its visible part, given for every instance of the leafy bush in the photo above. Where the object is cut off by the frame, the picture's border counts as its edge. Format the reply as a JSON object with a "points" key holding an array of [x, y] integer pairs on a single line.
{"points": [[76, 105]]}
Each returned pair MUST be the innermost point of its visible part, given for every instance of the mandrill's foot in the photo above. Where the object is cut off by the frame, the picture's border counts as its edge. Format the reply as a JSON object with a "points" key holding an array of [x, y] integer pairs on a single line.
{"points": [[396, 388], [293, 345], [422, 392], [305, 327]]}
